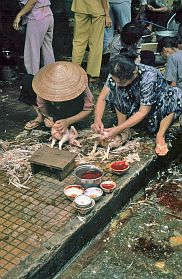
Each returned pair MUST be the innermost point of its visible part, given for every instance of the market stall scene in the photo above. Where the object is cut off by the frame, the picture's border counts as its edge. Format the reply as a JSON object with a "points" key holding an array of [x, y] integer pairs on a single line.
{"points": [[91, 111]]}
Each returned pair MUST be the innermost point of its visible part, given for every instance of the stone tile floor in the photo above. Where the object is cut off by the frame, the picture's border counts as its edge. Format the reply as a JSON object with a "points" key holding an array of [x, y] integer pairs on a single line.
{"points": [[29, 217]]}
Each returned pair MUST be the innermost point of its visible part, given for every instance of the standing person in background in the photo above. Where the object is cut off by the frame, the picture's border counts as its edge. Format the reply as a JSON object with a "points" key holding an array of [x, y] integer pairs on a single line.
{"points": [[138, 9], [120, 12], [157, 12], [69, 13], [39, 34], [90, 18]]}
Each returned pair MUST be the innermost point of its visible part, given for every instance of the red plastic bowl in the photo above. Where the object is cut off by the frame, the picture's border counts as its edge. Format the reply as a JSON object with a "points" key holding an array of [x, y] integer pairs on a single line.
{"points": [[119, 167]]}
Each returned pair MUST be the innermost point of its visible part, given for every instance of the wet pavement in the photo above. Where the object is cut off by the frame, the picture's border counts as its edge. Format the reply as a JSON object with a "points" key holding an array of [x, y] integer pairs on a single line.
{"points": [[144, 240]]}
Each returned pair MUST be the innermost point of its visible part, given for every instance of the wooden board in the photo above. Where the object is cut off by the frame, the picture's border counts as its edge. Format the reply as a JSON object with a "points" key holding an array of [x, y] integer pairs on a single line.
{"points": [[53, 159]]}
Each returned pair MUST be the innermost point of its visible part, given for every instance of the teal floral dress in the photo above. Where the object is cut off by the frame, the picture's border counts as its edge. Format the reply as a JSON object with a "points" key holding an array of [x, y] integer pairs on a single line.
{"points": [[149, 89]]}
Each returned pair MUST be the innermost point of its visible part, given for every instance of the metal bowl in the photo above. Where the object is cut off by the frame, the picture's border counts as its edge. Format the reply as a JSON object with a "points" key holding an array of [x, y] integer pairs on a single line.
{"points": [[72, 191], [165, 33], [94, 193], [82, 201], [84, 210], [88, 176], [147, 38]]}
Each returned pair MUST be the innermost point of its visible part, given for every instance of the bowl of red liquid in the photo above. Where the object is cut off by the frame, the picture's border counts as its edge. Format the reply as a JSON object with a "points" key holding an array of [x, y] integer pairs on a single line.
{"points": [[119, 167], [88, 176], [108, 186]]}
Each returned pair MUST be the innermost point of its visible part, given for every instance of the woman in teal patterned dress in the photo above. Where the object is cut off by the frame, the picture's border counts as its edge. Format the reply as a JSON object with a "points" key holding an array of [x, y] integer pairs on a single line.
{"points": [[138, 92]]}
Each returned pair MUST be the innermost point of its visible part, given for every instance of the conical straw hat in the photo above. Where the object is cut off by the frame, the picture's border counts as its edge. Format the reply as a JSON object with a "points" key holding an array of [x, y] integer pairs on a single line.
{"points": [[60, 81]]}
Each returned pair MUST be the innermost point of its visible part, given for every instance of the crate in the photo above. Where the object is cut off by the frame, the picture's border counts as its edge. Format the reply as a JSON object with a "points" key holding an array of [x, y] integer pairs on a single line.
{"points": [[59, 162]]}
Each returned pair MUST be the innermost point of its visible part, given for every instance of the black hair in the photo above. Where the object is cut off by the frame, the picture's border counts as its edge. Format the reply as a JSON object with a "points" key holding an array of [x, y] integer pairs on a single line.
{"points": [[167, 42], [178, 16], [130, 53], [122, 66], [132, 32]]}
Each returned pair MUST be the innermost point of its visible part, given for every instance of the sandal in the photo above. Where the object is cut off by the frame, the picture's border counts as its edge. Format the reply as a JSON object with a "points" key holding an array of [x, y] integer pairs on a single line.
{"points": [[161, 150], [32, 124]]}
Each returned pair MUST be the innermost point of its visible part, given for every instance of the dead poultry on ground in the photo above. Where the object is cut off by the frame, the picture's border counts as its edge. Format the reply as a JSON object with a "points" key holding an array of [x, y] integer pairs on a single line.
{"points": [[117, 141], [69, 135]]}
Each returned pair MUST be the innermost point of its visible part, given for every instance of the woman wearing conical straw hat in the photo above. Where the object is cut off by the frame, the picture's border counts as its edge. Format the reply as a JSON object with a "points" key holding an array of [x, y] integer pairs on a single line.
{"points": [[63, 95]]}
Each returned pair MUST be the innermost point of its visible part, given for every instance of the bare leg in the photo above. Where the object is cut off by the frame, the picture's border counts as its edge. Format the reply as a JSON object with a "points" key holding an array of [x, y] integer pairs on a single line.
{"points": [[39, 116], [161, 148], [36, 122], [120, 116]]}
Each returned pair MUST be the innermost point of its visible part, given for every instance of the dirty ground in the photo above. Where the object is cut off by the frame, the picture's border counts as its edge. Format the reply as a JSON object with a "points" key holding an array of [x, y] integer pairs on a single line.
{"points": [[33, 214], [144, 241]]}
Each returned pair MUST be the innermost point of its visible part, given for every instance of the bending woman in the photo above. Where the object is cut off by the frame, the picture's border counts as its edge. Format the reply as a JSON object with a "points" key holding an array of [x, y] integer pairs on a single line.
{"points": [[138, 92], [63, 95]]}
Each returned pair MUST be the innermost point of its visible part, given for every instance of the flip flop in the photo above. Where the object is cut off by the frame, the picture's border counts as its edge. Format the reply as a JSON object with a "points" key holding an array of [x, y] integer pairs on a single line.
{"points": [[163, 149], [32, 125]]}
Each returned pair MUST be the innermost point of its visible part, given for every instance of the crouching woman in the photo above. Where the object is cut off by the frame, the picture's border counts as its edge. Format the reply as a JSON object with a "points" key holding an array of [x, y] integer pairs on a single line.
{"points": [[63, 95], [138, 92]]}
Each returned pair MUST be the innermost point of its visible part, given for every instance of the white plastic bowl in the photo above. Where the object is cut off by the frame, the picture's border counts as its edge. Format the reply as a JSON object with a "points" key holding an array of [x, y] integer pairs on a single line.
{"points": [[94, 193], [84, 210], [83, 201]]}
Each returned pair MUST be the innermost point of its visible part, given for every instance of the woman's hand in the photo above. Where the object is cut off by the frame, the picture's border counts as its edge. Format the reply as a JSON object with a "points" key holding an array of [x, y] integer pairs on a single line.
{"points": [[97, 127], [108, 21], [61, 125], [49, 122], [16, 22], [151, 8], [110, 133]]}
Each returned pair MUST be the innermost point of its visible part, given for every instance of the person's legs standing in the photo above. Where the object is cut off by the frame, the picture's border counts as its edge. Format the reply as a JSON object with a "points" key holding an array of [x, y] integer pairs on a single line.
{"points": [[35, 34], [123, 12], [32, 47], [47, 49], [81, 36], [109, 31], [96, 46], [69, 13]]}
